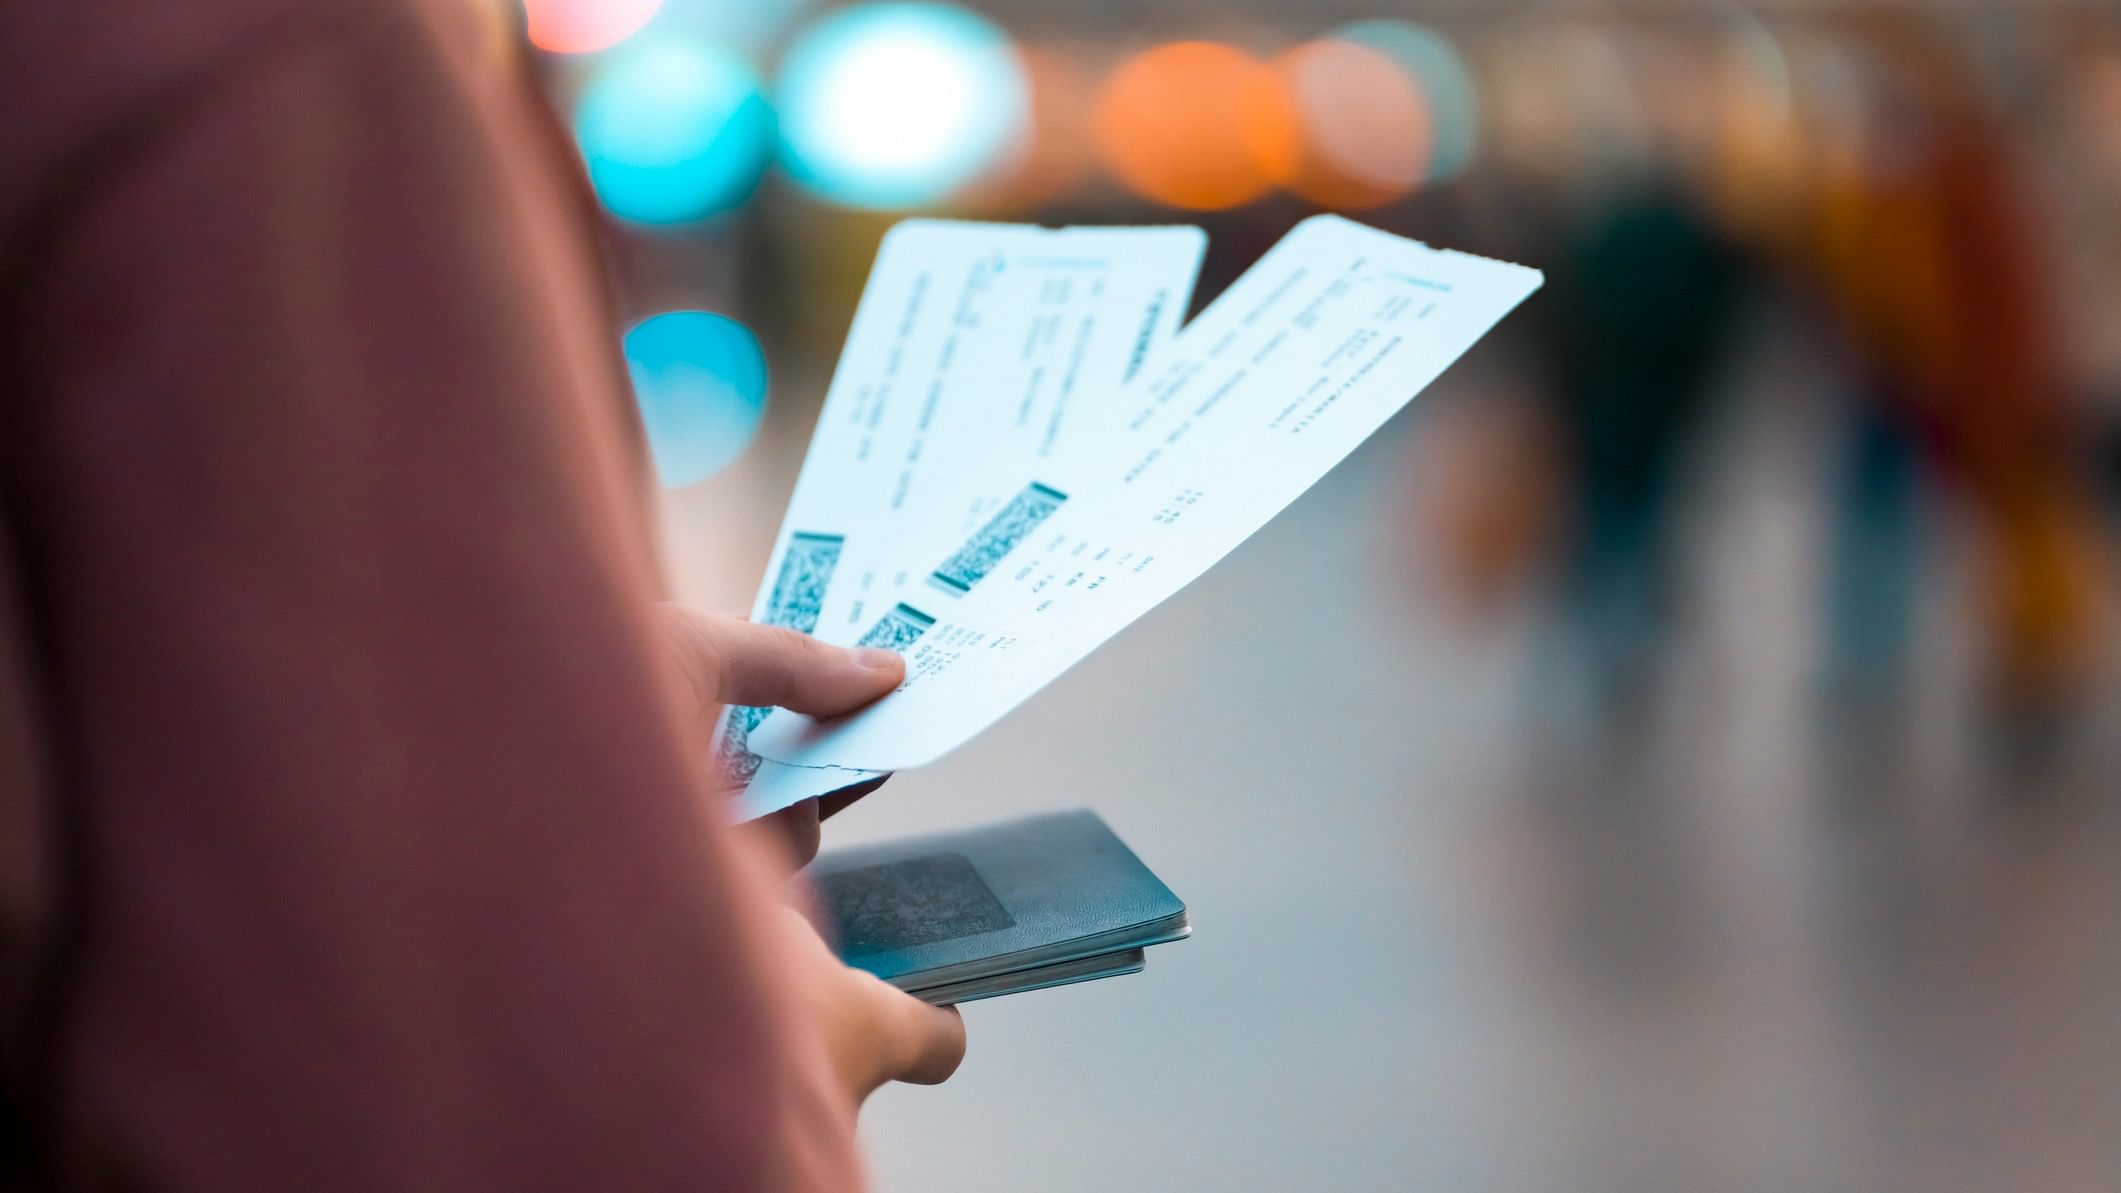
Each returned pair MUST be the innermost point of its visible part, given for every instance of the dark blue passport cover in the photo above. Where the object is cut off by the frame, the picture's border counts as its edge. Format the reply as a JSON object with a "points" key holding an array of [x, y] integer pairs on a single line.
{"points": [[930, 910]]}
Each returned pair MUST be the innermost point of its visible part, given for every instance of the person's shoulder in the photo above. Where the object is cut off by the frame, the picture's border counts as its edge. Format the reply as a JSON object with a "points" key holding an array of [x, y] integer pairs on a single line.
{"points": [[79, 56], [77, 75]]}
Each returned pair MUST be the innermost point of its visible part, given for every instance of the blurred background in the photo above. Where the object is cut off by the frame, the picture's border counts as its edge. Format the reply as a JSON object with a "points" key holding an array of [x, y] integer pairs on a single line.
{"points": [[1678, 753]]}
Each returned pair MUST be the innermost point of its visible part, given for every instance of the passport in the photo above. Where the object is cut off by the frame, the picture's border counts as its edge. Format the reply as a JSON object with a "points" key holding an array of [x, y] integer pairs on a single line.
{"points": [[1026, 904]]}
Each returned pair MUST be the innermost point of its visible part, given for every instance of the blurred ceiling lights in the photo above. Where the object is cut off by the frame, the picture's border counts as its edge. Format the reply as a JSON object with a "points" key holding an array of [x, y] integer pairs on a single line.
{"points": [[1447, 88], [584, 26], [700, 379], [894, 106], [1193, 124], [673, 132], [906, 105], [1361, 135]]}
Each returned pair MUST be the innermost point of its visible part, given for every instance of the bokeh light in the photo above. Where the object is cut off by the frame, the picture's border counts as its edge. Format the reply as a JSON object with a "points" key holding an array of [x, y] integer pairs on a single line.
{"points": [[673, 132], [1054, 159], [585, 26], [1362, 135], [1190, 124], [700, 379], [1452, 98], [891, 106]]}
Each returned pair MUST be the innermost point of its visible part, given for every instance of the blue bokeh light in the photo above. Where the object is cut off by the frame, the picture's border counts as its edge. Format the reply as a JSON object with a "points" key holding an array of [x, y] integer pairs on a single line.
{"points": [[898, 105], [700, 379], [673, 132]]}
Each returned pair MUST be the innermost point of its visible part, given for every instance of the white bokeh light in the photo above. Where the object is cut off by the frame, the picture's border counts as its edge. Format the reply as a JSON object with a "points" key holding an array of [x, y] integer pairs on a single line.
{"points": [[898, 105]]}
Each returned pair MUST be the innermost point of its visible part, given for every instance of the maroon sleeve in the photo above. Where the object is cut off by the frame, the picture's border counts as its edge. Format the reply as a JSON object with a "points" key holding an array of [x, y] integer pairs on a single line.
{"points": [[390, 866]]}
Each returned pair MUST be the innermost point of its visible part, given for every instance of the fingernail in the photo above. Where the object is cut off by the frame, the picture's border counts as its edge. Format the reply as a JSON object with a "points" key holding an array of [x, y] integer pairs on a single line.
{"points": [[877, 659]]}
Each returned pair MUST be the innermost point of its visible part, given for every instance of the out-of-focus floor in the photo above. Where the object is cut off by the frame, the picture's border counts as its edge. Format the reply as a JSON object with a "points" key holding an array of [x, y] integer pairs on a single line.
{"points": [[1438, 949]]}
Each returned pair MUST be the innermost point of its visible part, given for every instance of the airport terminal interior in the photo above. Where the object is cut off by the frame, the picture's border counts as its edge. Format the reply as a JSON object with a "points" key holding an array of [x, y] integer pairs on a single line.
{"points": [[1680, 751]]}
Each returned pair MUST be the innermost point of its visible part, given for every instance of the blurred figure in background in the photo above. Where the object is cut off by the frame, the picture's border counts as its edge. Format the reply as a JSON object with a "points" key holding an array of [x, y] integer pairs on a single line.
{"points": [[1652, 184], [1923, 245], [1628, 341], [2081, 94]]}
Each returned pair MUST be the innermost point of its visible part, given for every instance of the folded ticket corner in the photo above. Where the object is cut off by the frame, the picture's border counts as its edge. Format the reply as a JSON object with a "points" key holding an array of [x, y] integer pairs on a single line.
{"points": [[776, 786]]}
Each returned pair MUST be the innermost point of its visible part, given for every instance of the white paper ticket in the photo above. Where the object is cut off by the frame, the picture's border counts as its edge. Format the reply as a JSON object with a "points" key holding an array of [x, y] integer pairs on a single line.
{"points": [[979, 353], [1303, 358]]}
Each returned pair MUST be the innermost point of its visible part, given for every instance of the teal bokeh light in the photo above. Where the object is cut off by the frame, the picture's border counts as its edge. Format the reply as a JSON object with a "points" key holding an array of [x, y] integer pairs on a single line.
{"points": [[673, 132], [1440, 74], [891, 106], [700, 379]]}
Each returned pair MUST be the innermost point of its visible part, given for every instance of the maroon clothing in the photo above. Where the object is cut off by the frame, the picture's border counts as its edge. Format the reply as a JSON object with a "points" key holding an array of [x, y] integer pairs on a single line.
{"points": [[350, 834]]}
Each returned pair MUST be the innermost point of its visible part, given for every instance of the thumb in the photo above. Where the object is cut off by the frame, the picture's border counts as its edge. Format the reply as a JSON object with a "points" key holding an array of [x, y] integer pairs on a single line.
{"points": [[935, 1042], [768, 666], [921, 1044]]}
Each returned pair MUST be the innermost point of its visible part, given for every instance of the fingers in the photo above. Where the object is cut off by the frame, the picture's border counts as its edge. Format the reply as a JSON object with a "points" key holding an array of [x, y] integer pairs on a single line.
{"points": [[791, 835], [772, 667], [905, 1040], [934, 1039], [873, 1032]]}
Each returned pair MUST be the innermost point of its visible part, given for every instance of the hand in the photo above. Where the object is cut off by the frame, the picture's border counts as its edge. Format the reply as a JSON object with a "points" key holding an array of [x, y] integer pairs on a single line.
{"points": [[725, 660], [873, 1031]]}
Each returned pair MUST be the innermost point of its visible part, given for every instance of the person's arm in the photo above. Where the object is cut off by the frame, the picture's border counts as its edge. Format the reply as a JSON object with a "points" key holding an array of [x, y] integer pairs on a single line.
{"points": [[394, 863]]}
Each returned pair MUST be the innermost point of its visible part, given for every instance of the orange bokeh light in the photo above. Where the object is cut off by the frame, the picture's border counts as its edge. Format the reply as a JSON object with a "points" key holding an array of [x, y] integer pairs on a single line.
{"points": [[1191, 124], [1364, 136], [585, 26]]}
